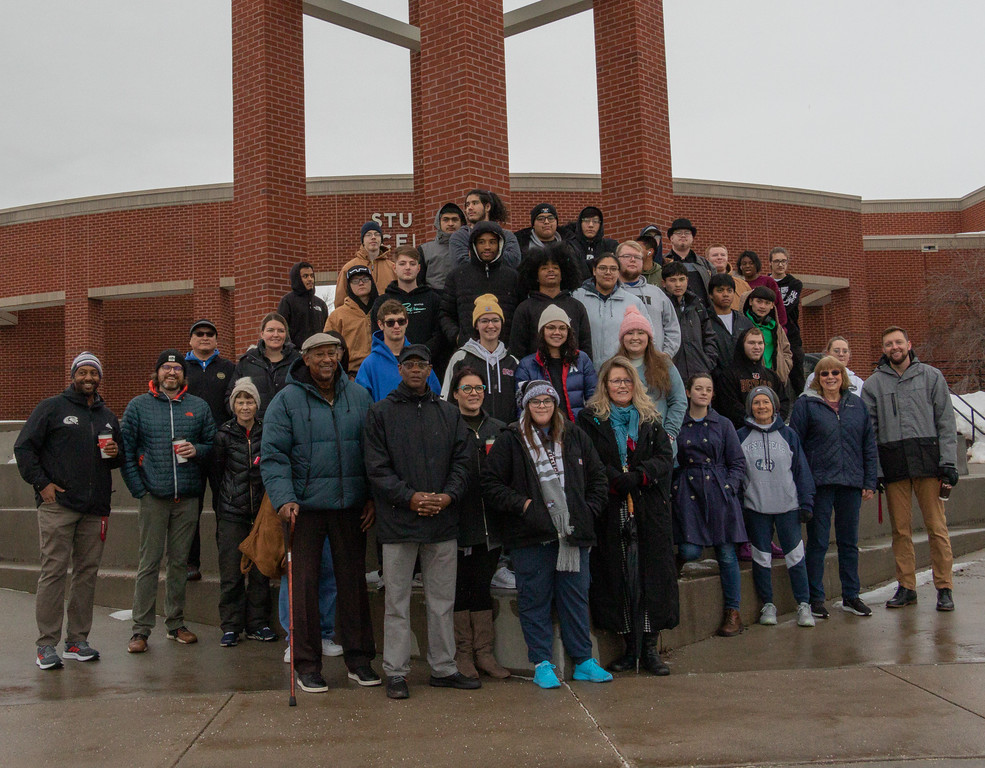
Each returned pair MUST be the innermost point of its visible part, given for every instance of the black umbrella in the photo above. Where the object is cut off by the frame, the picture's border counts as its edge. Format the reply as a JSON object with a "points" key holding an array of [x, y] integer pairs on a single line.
{"points": [[631, 565]]}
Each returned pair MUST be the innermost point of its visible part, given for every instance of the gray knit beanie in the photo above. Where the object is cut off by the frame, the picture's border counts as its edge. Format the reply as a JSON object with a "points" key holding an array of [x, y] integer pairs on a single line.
{"points": [[244, 385]]}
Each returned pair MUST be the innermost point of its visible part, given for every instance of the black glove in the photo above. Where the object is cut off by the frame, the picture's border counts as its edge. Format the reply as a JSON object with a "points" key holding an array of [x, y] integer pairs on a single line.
{"points": [[627, 482], [949, 475], [611, 473], [881, 485], [806, 515]]}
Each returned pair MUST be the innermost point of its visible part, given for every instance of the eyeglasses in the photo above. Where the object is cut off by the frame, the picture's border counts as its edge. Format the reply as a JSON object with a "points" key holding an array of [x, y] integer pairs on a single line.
{"points": [[829, 373], [607, 270], [209, 334], [546, 219], [362, 280], [489, 321], [171, 368], [393, 322], [468, 389], [593, 220], [621, 382], [542, 402], [415, 365]]}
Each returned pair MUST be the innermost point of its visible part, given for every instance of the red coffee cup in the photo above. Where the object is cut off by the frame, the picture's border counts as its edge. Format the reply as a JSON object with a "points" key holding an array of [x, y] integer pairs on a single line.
{"points": [[103, 440], [175, 443]]}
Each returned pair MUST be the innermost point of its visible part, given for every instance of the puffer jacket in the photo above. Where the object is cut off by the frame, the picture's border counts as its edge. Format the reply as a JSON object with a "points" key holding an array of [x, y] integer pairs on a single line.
{"points": [[150, 424], [580, 380], [269, 378], [415, 443], [473, 523], [605, 315], [304, 311], [236, 457], [913, 420], [509, 479], [379, 373], [312, 450], [840, 447]]}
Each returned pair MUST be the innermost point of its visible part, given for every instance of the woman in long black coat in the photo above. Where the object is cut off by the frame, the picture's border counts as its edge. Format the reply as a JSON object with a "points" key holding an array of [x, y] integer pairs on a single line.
{"points": [[625, 429]]}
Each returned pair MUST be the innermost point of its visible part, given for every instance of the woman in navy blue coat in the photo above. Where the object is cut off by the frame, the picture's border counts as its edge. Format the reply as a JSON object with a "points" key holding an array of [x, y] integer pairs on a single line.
{"points": [[836, 432], [707, 512]]}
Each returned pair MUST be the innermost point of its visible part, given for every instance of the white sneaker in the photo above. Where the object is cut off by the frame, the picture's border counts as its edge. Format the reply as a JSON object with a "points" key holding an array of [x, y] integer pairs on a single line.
{"points": [[767, 615], [804, 616], [287, 654], [504, 578], [329, 648]]}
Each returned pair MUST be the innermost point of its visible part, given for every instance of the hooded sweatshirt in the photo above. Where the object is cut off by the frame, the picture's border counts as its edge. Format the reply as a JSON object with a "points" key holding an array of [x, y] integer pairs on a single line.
{"points": [[499, 368], [586, 251], [436, 260], [734, 382], [304, 311], [778, 355], [423, 305], [381, 267], [660, 310], [379, 373], [605, 315], [351, 320]]}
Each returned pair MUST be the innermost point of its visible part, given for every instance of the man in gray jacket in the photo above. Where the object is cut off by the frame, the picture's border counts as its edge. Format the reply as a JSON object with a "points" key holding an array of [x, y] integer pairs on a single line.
{"points": [[913, 420], [436, 260]]}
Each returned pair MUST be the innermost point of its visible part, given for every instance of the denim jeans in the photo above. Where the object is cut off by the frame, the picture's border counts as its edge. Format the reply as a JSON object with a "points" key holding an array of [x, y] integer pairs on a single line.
{"points": [[728, 569], [844, 503], [760, 529], [326, 596]]}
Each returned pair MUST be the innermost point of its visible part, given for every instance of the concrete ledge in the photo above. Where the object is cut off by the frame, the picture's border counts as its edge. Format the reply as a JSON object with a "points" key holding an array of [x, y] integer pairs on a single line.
{"points": [[361, 185], [767, 194], [143, 290], [823, 282], [589, 183], [926, 205], [918, 242], [365, 21], [541, 13], [32, 301]]}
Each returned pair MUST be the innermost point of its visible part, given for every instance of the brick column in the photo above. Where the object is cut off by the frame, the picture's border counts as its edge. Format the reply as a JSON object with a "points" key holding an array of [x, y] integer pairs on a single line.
{"points": [[84, 330], [268, 156], [634, 123], [458, 93]]}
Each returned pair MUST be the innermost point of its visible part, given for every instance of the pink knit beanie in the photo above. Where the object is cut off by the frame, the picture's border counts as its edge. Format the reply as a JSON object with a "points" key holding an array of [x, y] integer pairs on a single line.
{"points": [[634, 320]]}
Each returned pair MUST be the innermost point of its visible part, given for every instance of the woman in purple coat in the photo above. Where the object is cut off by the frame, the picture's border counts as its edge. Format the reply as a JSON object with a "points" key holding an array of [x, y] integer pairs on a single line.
{"points": [[707, 512]]}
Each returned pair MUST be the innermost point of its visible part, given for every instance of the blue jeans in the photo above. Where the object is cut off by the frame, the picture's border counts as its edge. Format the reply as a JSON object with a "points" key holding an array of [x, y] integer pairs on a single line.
{"points": [[760, 529], [538, 585], [728, 569], [326, 596], [844, 503]]}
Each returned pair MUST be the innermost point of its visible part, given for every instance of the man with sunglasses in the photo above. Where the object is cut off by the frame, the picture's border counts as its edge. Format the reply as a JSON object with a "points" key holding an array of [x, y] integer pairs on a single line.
{"points": [[207, 375], [380, 373]]}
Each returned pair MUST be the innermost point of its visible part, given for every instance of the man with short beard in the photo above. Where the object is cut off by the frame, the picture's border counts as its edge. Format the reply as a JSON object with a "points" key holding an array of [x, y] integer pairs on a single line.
{"points": [[167, 438]]}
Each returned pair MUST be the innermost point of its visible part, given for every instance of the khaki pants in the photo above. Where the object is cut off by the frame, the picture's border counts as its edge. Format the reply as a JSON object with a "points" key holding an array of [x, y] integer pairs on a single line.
{"points": [[927, 490], [66, 537]]}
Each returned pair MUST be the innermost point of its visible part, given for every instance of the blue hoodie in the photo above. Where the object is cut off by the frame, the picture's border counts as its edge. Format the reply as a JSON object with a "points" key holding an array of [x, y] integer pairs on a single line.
{"points": [[378, 372]]}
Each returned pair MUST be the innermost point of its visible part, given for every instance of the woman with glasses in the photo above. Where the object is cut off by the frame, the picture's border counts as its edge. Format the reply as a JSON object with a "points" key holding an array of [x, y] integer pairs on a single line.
{"points": [[478, 547], [835, 429], [559, 361], [838, 348], [268, 362], [634, 583], [544, 485], [605, 302]]}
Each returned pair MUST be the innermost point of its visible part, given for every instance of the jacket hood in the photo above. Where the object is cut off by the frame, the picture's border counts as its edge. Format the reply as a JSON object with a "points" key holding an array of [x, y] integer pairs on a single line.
{"points": [[394, 290], [481, 228], [379, 346], [739, 359], [887, 366], [448, 208], [589, 210], [77, 397], [774, 427], [617, 291], [296, 285]]}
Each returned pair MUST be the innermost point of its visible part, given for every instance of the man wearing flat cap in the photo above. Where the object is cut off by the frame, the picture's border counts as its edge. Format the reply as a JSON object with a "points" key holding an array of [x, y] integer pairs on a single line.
{"points": [[699, 270]]}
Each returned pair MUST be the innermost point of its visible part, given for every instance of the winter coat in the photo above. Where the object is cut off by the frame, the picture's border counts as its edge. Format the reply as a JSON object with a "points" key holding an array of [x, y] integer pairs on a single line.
{"points": [[208, 380], [304, 311], [782, 354], [605, 315], [840, 447], [523, 331], [855, 382], [381, 267], [423, 305], [651, 507], [724, 339], [707, 480], [415, 443], [379, 373], [269, 378], [913, 420], [354, 326], [500, 400], [312, 450], [790, 289], [236, 457], [699, 272], [59, 444], [525, 238], [473, 524], [661, 313], [778, 479], [580, 380], [698, 351], [436, 259], [150, 424], [509, 479], [461, 252], [586, 251], [734, 383]]}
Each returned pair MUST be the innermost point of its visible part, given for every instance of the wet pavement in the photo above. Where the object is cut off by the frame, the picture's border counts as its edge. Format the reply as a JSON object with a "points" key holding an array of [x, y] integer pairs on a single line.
{"points": [[901, 688]]}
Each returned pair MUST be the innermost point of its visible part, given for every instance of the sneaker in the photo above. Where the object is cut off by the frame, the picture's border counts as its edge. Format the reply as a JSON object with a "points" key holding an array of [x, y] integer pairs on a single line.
{"points": [[805, 616], [767, 615], [504, 578], [264, 635], [856, 606], [182, 635], [137, 644], [456, 680], [48, 658], [590, 671], [330, 648], [81, 651], [945, 601], [902, 598], [544, 675], [287, 654], [396, 688], [194, 574], [229, 639], [818, 610], [365, 675], [312, 682], [744, 552], [776, 551]]}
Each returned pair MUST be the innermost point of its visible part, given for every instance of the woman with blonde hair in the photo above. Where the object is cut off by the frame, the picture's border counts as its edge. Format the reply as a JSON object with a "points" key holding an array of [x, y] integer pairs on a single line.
{"points": [[634, 579]]}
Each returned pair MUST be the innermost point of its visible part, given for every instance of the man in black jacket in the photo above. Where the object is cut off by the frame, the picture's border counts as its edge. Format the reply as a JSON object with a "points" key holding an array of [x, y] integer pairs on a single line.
{"points": [[698, 351], [417, 493], [587, 239], [727, 323], [66, 451], [304, 311], [735, 382], [542, 230], [699, 270]]}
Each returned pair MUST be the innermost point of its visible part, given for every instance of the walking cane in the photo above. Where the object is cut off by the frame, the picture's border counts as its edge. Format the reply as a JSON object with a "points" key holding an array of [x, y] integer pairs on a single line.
{"points": [[293, 701], [880, 507]]}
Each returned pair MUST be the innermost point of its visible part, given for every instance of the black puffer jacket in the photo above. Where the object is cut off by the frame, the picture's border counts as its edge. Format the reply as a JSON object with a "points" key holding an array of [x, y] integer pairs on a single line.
{"points": [[304, 311], [237, 462], [473, 524], [269, 378], [509, 479]]}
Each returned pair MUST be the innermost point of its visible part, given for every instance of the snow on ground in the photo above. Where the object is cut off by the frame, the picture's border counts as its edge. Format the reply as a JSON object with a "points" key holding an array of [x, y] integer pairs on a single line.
{"points": [[976, 454]]}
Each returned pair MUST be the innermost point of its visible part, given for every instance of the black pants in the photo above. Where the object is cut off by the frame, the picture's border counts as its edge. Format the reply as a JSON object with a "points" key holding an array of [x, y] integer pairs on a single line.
{"points": [[195, 553], [353, 624], [475, 571], [797, 378], [244, 599]]}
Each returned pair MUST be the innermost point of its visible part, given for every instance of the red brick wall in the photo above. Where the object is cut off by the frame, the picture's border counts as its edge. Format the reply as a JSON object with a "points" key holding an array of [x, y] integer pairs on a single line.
{"points": [[912, 223], [973, 218]]}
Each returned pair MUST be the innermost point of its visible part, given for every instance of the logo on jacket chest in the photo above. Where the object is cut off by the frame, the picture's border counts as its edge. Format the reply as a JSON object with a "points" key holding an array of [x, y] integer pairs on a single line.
{"points": [[71, 421]]}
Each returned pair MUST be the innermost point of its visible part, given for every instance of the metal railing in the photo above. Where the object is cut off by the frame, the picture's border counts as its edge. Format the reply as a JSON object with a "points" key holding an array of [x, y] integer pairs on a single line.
{"points": [[980, 426]]}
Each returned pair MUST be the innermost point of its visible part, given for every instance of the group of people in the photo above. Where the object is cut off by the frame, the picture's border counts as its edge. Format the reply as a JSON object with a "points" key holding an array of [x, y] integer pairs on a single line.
{"points": [[601, 412]]}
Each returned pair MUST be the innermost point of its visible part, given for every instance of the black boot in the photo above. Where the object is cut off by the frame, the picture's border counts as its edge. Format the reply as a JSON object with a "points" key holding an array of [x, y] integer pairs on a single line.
{"points": [[650, 660], [626, 662]]}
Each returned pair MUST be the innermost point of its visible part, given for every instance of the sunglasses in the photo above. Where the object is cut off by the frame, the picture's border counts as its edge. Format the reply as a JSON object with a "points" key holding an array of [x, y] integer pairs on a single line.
{"points": [[209, 334], [829, 373], [395, 322], [415, 365]]}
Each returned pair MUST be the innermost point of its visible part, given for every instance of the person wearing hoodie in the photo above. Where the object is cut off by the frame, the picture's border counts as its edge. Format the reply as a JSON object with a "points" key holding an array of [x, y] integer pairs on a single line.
{"points": [[838, 348], [698, 351], [760, 309], [268, 361], [487, 353], [605, 303], [373, 255], [733, 383], [653, 254], [777, 494], [550, 275], [485, 272], [542, 230], [304, 312], [663, 317], [726, 320], [483, 205], [750, 266], [586, 236], [380, 373], [351, 318], [436, 259]]}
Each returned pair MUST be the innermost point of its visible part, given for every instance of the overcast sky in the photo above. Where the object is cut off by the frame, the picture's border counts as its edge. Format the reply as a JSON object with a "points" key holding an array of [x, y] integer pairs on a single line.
{"points": [[881, 98]]}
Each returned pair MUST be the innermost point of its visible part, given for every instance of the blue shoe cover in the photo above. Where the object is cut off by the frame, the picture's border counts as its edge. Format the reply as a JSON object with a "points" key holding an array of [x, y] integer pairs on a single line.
{"points": [[590, 671]]}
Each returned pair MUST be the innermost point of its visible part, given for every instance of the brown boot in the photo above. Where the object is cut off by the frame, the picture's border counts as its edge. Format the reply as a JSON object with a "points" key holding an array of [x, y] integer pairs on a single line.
{"points": [[483, 634], [731, 624], [463, 644]]}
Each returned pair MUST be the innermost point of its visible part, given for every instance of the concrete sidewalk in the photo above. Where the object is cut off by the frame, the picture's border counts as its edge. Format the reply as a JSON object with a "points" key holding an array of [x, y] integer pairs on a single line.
{"points": [[903, 687]]}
